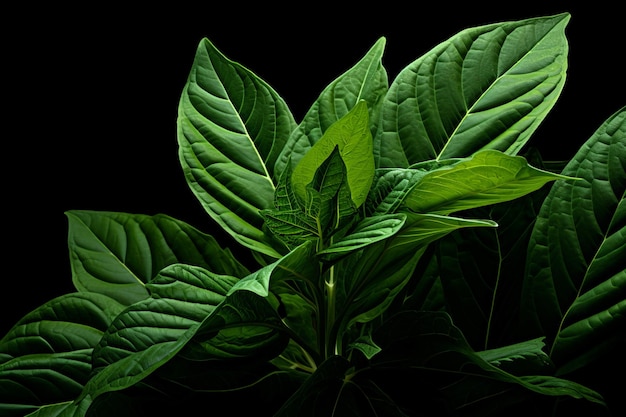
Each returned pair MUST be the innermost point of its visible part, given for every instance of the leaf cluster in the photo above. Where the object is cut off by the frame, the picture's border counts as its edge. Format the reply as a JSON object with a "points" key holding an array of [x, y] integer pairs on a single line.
{"points": [[411, 253]]}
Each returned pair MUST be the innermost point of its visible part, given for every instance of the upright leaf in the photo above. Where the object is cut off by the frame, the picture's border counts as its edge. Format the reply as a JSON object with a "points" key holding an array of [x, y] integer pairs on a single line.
{"points": [[575, 288], [485, 87], [352, 137], [231, 128], [366, 80]]}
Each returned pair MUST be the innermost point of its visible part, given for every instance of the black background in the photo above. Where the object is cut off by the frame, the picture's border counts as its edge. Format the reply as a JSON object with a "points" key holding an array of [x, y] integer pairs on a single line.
{"points": [[90, 102]]}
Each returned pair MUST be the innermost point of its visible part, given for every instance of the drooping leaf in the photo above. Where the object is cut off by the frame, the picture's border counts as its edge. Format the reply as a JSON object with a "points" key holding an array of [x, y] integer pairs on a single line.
{"points": [[575, 286], [352, 137], [181, 296], [186, 303], [478, 271], [45, 358], [366, 80], [447, 376], [231, 128], [118, 253], [486, 178], [487, 87]]}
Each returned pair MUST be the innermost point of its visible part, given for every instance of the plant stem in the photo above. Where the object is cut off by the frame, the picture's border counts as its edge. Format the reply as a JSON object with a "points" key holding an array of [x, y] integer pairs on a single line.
{"points": [[330, 348]]}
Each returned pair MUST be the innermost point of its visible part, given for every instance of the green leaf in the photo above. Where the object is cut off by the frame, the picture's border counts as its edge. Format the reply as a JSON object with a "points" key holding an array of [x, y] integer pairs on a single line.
{"points": [[368, 231], [118, 253], [521, 358], [231, 128], [366, 80], [181, 296], [351, 135], [186, 303], [428, 350], [488, 177], [368, 280], [423, 229], [46, 357], [487, 87], [575, 286], [389, 189], [477, 272]]}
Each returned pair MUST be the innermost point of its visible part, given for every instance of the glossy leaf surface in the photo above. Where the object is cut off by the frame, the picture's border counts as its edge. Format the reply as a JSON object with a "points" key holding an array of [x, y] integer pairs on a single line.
{"points": [[231, 128], [487, 87], [575, 289]]}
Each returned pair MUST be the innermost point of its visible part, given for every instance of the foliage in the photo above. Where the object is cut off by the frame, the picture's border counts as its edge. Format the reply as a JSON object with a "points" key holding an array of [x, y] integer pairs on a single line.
{"points": [[411, 253]]}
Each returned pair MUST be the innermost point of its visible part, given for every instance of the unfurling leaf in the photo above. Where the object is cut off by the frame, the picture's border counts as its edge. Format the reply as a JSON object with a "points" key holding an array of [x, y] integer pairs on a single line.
{"points": [[352, 136]]}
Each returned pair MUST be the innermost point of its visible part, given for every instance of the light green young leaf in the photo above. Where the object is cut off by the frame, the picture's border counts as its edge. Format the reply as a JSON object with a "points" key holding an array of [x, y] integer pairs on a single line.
{"points": [[352, 136], [231, 128], [181, 296], [118, 253], [488, 177], [487, 87], [366, 80], [575, 286]]}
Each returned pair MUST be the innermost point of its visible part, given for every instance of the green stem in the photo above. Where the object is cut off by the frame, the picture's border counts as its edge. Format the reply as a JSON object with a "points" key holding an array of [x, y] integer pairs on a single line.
{"points": [[330, 348]]}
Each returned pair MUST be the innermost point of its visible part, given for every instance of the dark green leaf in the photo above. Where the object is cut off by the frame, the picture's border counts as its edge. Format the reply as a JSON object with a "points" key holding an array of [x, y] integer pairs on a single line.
{"points": [[46, 357], [575, 288], [428, 350]]}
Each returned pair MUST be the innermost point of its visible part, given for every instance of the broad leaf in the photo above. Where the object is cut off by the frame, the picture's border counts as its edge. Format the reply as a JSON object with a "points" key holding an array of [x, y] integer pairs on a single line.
{"points": [[181, 296], [368, 231], [186, 303], [428, 350], [575, 288], [118, 253], [488, 177], [366, 80], [46, 357], [231, 128], [487, 87]]}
